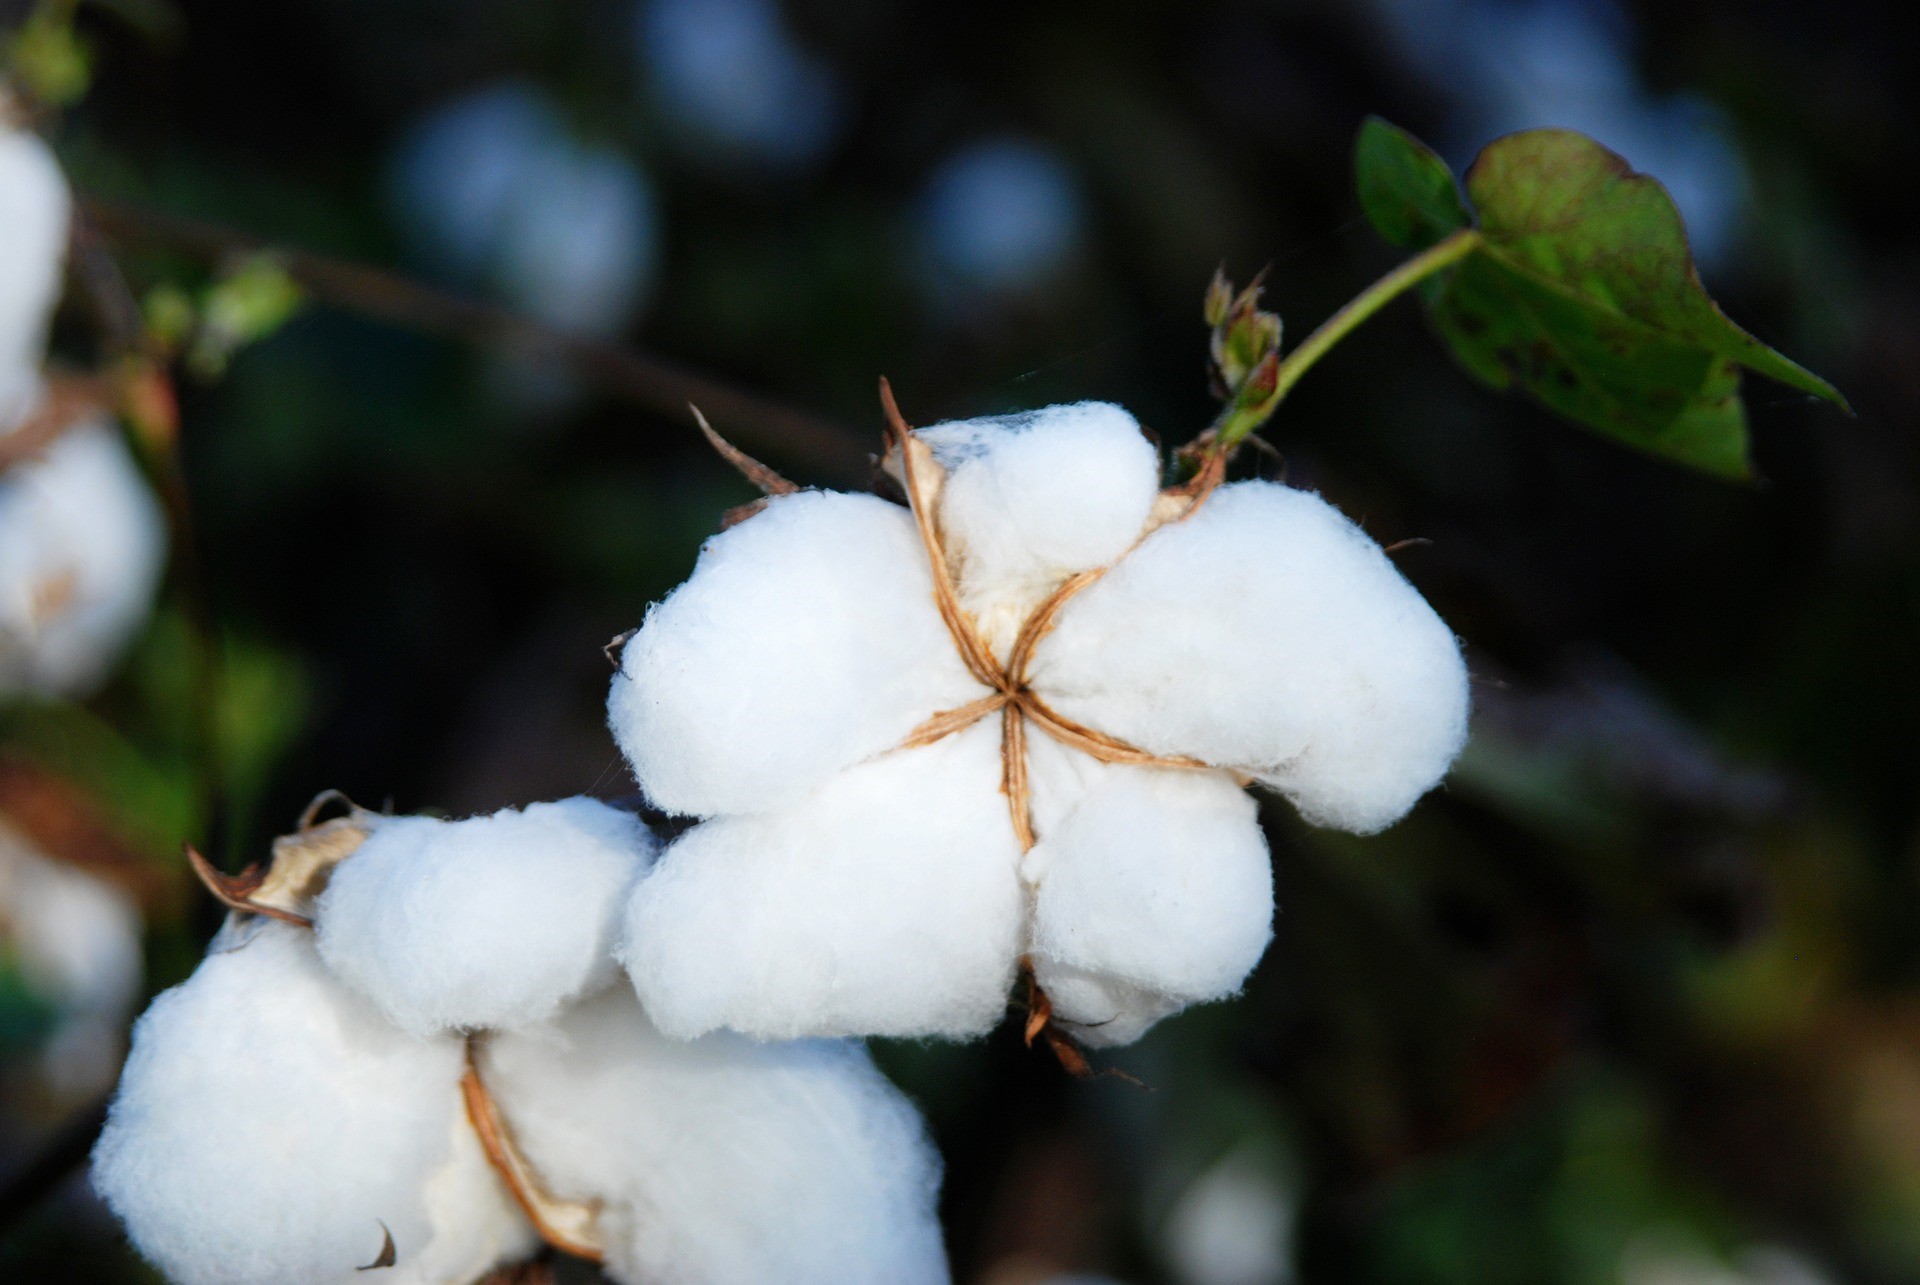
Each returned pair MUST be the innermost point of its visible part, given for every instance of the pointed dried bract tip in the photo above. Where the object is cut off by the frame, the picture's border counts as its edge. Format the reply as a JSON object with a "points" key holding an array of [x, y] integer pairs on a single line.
{"points": [[388, 1255], [769, 482], [618, 645], [300, 867], [235, 892], [321, 801]]}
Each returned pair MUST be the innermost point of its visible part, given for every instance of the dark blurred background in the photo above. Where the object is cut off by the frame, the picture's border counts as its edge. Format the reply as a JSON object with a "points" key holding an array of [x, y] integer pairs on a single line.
{"points": [[1636, 998]]}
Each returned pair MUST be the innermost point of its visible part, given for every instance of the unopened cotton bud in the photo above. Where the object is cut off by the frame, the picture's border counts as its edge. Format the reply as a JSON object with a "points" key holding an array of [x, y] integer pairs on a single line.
{"points": [[271, 1126], [494, 921]]}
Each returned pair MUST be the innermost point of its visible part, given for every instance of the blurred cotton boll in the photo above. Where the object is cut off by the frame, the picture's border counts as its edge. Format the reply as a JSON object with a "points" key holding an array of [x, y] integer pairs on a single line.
{"points": [[731, 83], [74, 941], [998, 219], [1569, 64], [494, 189], [34, 208], [1233, 1225]]}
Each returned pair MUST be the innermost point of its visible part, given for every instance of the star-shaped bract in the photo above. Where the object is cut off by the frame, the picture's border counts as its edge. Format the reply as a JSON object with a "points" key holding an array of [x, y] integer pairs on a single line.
{"points": [[1011, 720]]}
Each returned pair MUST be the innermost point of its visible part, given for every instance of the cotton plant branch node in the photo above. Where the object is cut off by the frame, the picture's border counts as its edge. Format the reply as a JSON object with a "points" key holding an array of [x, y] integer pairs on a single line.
{"points": [[572, 1227], [70, 401]]}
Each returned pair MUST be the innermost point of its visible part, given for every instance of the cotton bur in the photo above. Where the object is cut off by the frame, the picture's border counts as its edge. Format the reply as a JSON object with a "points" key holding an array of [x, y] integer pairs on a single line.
{"points": [[1009, 722], [403, 1055]]}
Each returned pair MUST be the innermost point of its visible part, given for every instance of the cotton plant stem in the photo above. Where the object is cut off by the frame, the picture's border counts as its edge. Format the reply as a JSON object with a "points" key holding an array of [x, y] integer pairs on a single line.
{"points": [[1435, 259], [642, 379]]}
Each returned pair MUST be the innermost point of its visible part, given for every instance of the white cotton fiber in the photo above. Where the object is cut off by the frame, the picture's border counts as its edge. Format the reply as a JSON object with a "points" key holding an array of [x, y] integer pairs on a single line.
{"points": [[82, 546], [722, 1161], [35, 206], [492, 921], [886, 903], [807, 639], [269, 1124], [1268, 633], [1153, 891], [1030, 499]]}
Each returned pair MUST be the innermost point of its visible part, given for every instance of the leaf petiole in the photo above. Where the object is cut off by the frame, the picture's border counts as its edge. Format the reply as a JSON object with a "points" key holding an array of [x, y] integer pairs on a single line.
{"points": [[1238, 423]]}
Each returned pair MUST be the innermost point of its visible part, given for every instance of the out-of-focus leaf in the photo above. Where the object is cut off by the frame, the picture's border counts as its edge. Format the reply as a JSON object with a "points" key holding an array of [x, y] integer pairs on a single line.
{"points": [[243, 307], [47, 57], [1405, 188], [1582, 291]]}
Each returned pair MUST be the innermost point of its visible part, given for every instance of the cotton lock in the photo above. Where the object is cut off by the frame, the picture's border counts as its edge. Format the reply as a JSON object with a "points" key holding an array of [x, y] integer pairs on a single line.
{"points": [[1011, 722]]}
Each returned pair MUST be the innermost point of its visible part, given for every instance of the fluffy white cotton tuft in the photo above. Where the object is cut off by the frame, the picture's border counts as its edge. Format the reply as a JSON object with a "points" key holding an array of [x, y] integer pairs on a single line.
{"points": [[888, 903], [35, 206], [488, 922], [722, 1161], [1153, 891], [1030, 499], [269, 1124], [82, 546], [1268, 633], [807, 639]]}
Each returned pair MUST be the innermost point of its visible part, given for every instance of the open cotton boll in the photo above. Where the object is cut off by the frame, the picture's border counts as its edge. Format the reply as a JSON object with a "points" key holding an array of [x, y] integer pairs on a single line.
{"points": [[1030, 499], [887, 903], [487, 922], [269, 1124], [1268, 633], [807, 639], [35, 206], [721, 1161], [1153, 891], [82, 546]]}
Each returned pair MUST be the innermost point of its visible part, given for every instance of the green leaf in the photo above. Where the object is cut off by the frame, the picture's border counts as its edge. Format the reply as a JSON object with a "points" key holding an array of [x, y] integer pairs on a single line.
{"points": [[1407, 191], [1582, 291]]}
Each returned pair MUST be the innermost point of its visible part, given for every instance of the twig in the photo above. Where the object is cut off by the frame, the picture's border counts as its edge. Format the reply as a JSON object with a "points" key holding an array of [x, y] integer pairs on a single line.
{"points": [[650, 382]]}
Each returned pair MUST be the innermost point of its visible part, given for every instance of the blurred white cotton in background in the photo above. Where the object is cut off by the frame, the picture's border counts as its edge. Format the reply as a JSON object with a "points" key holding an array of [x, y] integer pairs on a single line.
{"points": [[1233, 1225], [494, 189], [1001, 217], [732, 85], [74, 941], [34, 208]]}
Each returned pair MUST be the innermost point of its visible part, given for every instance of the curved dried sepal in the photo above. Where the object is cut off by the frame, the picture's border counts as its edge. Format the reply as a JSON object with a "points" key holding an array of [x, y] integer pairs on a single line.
{"points": [[321, 801], [299, 869], [947, 722], [572, 1227], [769, 482], [1108, 749], [388, 1256], [911, 462], [235, 892]]}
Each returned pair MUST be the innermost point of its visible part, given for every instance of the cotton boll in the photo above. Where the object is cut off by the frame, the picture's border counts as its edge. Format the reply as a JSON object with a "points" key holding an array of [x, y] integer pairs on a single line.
{"points": [[887, 903], [1268, 633], [269, 1124], [35, 207], [1030, 499], [807, 639], [1153, 891], [488, 922], [723, 1161], [82, 546]]}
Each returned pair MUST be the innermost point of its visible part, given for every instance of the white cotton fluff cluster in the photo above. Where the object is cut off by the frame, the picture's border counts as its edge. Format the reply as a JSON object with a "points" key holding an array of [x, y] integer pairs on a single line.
{"points": [[82, 539], [491, 922], [721, 1161], [271, 1125], [299, 1097], [863, 887]]}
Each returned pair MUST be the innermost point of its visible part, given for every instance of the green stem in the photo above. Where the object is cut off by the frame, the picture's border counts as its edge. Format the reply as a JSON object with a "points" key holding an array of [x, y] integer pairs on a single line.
{"points": [[1436, 258]]}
